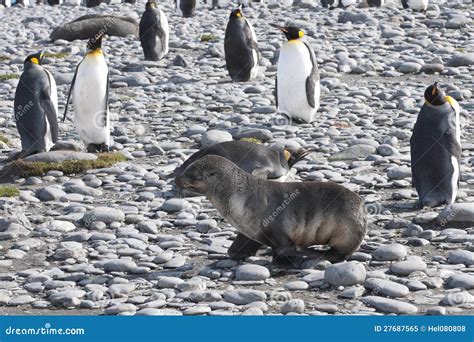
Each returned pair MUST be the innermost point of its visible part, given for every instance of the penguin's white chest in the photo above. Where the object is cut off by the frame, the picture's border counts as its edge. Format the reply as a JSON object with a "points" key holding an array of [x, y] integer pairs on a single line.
{"points": [[162, 47], [91, 115], [294, 67], [254, 71], [54, 99]]}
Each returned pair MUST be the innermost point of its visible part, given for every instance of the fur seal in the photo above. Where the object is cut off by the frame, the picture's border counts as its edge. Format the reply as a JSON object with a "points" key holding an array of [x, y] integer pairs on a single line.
{"points": [[288, 217], [87, 26], [258, 160]]}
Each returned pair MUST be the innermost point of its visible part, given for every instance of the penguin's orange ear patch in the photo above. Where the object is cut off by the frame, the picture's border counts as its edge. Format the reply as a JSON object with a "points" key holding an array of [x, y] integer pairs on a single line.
{"points": [[300, 34], [451, 101], [34, 60], [287, 155], [238, 14]]}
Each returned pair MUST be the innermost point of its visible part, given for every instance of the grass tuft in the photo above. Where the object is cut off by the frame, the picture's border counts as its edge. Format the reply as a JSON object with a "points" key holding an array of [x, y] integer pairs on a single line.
{"points": [[5, 77], [206, 37], [4, 139], [4, 58], [29, 169], [58, 55], [9, 191], [252, 140]]}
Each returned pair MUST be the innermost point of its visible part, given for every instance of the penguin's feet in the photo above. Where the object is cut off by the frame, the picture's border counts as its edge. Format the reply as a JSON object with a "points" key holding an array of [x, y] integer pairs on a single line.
{"points": [[97, 148]]}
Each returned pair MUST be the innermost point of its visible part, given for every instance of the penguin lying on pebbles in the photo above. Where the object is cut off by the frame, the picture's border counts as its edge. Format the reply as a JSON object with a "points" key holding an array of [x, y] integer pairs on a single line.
{"points": [[90, 87], [258, 160], [154, 32], [297, 83], [436, 149], [36, 108], [240, 46], [416, 5]]}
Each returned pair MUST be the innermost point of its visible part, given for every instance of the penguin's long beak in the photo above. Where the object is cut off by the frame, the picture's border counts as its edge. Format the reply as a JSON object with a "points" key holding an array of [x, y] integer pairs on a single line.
{"points": [[435, 89], [43, 53]]}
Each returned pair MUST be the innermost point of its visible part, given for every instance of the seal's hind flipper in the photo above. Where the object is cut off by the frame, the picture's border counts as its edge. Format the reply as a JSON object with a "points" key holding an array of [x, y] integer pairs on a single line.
{"points": [[243, 247]]}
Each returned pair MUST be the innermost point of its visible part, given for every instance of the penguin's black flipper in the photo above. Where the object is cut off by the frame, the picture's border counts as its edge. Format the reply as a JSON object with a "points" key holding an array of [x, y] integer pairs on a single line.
{"points": [[405, 3], [312, 78], [106, 101], [70, 92], [276, 91], [48, 108]]}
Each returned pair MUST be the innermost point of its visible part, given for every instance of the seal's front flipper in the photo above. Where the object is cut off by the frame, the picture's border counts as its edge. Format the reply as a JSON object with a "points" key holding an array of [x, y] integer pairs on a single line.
{"points": [[243, 247]]}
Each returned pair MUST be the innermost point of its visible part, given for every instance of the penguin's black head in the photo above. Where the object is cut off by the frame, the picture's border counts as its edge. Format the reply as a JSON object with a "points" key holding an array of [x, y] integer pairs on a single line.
{"points": [[434, 95], [35, 58], [150, 4], [292, 32], [95, 42], [237, 13]]}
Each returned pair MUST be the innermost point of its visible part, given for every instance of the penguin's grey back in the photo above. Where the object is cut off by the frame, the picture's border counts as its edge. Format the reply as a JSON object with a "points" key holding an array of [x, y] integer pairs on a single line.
{"points": [[433, 145], [239, 47], [30, 117], [187, 7]]}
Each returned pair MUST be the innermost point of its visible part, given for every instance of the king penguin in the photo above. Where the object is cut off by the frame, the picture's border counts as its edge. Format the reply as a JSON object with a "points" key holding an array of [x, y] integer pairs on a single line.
{"points": [[36, 108], [297, 82], [90, 88], [154, 32], [185, 8], [436, 149], [416, 5], [240, 46]]}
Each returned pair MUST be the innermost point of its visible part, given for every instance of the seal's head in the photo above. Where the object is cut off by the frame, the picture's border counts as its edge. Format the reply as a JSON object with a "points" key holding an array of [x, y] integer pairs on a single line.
{"points": [[205, 174]]}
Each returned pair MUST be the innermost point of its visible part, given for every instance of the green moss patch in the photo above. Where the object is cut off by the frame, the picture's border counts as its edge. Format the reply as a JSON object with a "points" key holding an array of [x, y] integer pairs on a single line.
{"points": [[4, 58], [252, 140], [5, 77], [58, 55], [4, 139], [9, 191], [23, 168], [207, 37]]}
